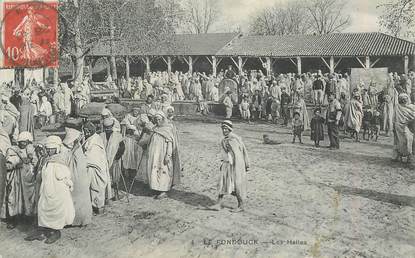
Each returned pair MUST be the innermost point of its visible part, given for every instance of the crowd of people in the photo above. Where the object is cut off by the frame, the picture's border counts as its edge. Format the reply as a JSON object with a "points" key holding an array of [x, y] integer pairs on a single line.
{"points": [[64, 182]]}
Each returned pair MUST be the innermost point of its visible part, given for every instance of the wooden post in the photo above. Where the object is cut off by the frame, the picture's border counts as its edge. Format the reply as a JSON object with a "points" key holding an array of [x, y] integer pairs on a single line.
{"points": [[214, 66], [269, 68], [108, 68], [90, 71], [332, 64], [169, 64], [190, 65], [148, 68], [298, 65], [127, 68], [406, 64], [367, 62], [44, 72], [240, 65], [55, 76]]}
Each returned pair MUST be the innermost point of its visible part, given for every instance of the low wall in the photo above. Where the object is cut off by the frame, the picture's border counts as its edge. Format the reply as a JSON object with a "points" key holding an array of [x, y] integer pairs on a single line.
{"points": [[188, 108], [181, 108]]}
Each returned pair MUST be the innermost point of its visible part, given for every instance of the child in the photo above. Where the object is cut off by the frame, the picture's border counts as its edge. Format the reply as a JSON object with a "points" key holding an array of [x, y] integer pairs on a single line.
{"points": [[298, 127], [244, 109], [367, 117], [317, 129], [375, 125]]}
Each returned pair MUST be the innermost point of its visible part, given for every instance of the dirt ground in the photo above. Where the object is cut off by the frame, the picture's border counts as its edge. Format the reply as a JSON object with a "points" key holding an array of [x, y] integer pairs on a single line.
{"points": [[303, 202]]}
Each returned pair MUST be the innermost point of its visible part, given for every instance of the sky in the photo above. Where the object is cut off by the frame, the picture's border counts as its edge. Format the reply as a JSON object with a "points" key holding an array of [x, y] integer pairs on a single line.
{"points": [[363, 13]]}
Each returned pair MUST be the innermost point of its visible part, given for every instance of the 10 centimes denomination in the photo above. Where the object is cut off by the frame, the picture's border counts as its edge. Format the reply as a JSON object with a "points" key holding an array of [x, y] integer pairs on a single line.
{"points": [[29, 34]]}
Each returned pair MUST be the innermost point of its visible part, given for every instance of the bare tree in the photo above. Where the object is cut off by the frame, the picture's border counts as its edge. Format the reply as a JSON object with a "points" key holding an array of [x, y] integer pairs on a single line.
{"points": [[200, 15], [84, 23], [398, 17], [328, 16], [287, 19]]}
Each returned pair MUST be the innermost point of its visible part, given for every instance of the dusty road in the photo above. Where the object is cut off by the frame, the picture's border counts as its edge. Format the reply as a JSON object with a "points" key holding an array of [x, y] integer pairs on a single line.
{"points": [[303, 202]]}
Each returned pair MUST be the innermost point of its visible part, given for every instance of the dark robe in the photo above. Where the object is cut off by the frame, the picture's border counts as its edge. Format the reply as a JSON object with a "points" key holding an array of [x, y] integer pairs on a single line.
{"points": [[317, 129]]}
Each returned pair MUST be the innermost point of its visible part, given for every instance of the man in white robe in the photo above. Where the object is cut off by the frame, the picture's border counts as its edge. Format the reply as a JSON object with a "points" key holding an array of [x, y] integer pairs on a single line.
{"points": [[114, 147], [55, 208], [97, 166], [132, 150]]}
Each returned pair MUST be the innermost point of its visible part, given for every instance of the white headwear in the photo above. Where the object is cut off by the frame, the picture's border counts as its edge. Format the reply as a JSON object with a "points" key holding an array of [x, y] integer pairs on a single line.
{"points": [[106, 112], [25, 136], [71, 135], [53, 142]]}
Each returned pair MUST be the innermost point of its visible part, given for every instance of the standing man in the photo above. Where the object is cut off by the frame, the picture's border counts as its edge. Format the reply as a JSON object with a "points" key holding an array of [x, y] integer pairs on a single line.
{"points": [[227, 101], [334, 112], [318, 90], [75, 159], [97, 168], [160, 166], [55, 208], [20, 162], [235, 164], [114, 147], [285, 102], [131, 154]]}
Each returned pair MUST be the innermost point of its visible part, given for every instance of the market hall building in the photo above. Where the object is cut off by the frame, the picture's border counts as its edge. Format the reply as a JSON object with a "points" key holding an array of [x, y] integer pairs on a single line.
{"points": [[213, 52]]}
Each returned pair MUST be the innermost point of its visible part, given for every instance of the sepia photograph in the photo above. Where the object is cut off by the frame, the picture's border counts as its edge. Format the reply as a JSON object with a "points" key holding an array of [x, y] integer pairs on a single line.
{"points": [[207, 128]]}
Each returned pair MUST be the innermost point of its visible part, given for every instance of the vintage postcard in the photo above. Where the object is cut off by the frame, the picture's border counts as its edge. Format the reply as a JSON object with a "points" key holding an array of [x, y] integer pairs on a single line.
{"points": [[207, 128]]}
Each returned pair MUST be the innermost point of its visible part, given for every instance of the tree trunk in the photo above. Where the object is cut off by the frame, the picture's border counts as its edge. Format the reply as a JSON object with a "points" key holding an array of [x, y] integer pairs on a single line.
{"points": [[112, 57], [19, 77], [78, 59]]}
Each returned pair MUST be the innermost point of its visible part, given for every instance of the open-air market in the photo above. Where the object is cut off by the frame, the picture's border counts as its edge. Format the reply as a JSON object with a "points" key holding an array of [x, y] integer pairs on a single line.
{"points": [[144, 128]]}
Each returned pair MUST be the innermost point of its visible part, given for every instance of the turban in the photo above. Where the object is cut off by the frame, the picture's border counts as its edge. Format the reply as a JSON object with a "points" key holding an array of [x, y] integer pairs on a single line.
{"points": [[160, 114], [356, 94], [25, 136], [106, 112], [152, 112], [227, 124], [170, 108], [403, 97], [71, 135], [53, 141], [108, 122]]}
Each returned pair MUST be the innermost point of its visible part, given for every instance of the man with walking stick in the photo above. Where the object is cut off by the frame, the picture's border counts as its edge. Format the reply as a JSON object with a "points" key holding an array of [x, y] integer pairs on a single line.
{"points": [[114, 146]]}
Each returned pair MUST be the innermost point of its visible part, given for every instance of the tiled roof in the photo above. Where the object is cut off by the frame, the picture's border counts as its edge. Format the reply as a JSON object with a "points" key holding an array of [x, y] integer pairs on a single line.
{"points": [[336, 44], [180, 44], [233, 44]]}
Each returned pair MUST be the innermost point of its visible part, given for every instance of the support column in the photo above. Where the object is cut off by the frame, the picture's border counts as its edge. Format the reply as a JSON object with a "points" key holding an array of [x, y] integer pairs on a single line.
{"points": [[127, 68], [108, 68], [240, 65], [169, 64], [332, 64], [90, 71], [55, 76], [406, 64], [44, 74], [299, 65], [367, 62], [190, 65], [269, 68], [148, 68], [214, 66]]}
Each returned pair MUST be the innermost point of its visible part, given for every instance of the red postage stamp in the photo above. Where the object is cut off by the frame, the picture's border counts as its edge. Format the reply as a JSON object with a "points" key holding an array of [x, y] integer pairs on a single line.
{"points": [[30, 34]]}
